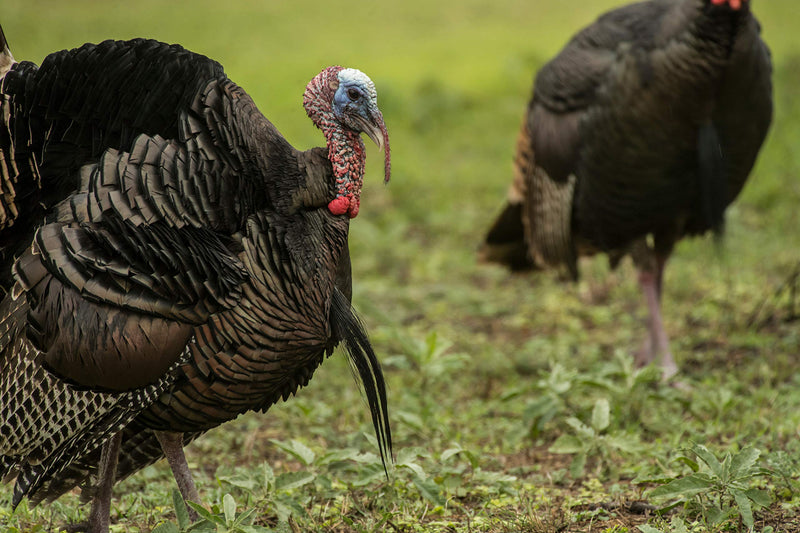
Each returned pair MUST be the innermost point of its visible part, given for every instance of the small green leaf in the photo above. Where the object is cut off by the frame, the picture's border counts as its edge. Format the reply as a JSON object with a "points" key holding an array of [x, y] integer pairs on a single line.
{"points": [[450, 452], [206, 514], [293, 480], [624, 443], [567, 444], [412, 420], [577, 465], [245, 518], [601, 415], [684, 487], [229, 508], [181, 513], [582, 429], [688, 462], [678, 525]]}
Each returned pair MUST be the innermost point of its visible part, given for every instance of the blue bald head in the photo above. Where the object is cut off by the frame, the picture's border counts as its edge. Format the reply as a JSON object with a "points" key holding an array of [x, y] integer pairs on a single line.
{"points": [[355, 104]]}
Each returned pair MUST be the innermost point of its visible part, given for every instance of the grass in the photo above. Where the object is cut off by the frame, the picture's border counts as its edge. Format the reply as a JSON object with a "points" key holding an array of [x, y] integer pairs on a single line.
{"points": [[513, 401]]}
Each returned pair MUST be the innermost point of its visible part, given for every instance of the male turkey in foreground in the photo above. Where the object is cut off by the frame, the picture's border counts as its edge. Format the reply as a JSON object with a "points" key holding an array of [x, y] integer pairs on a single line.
{"points": [[646, 125], [169, 261]]}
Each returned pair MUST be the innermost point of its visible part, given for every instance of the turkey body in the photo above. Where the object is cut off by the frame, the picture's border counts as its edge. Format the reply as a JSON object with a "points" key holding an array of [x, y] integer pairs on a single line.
{"points": [[646, 125], [169, 261]]}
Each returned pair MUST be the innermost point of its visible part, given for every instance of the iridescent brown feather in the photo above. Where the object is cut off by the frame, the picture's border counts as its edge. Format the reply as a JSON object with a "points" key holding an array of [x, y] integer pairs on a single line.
{"points": [[169, 263]]}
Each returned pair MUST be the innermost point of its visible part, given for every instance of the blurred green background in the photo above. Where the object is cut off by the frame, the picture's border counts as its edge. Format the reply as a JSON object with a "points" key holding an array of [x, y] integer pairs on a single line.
{"points": [[473, 355]]}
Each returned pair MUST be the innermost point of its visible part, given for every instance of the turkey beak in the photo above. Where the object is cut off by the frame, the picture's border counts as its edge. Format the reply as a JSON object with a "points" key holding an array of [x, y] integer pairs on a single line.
{"points": [[375, 129]]}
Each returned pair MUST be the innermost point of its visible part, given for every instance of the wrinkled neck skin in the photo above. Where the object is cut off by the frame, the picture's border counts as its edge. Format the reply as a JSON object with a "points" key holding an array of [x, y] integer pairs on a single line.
{"points": [[348, 157], [345, 147]]}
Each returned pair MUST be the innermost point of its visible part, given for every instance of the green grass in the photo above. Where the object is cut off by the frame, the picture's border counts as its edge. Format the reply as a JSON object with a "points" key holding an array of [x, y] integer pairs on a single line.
{"points": [[513, 402]]}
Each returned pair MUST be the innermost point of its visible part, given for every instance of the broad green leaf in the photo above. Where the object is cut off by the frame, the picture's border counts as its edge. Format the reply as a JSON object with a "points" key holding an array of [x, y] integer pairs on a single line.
{"points": [[745, 509], [450, 452], [166, 527], [410, 453], [760, 496], [567, 444], [206, 514], [743, 462], [429, 490], [368, 474], [181, 513], [293, 480], [684, 487], [414, 467], [338, 455], [601, 415], [296, 449], [229, 508], [709, 459], [242, 479]]}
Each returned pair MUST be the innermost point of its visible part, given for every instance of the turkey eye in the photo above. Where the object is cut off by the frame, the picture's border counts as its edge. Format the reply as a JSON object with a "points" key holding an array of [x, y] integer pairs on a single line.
{"points": [[353, 94]]}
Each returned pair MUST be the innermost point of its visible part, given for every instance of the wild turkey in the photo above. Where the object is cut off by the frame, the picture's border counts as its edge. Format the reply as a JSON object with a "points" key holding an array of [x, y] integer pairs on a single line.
{"points": [[169, 261], [646, 125]]}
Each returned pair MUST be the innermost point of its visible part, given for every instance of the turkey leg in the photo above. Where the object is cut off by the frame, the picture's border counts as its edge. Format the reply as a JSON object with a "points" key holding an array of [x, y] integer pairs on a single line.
{"points": [[100, 515], [656, 343], [172, 444]]}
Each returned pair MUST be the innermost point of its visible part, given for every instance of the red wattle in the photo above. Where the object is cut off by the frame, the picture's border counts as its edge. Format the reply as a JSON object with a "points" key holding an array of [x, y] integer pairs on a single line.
{"points": [[339, 205]]}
